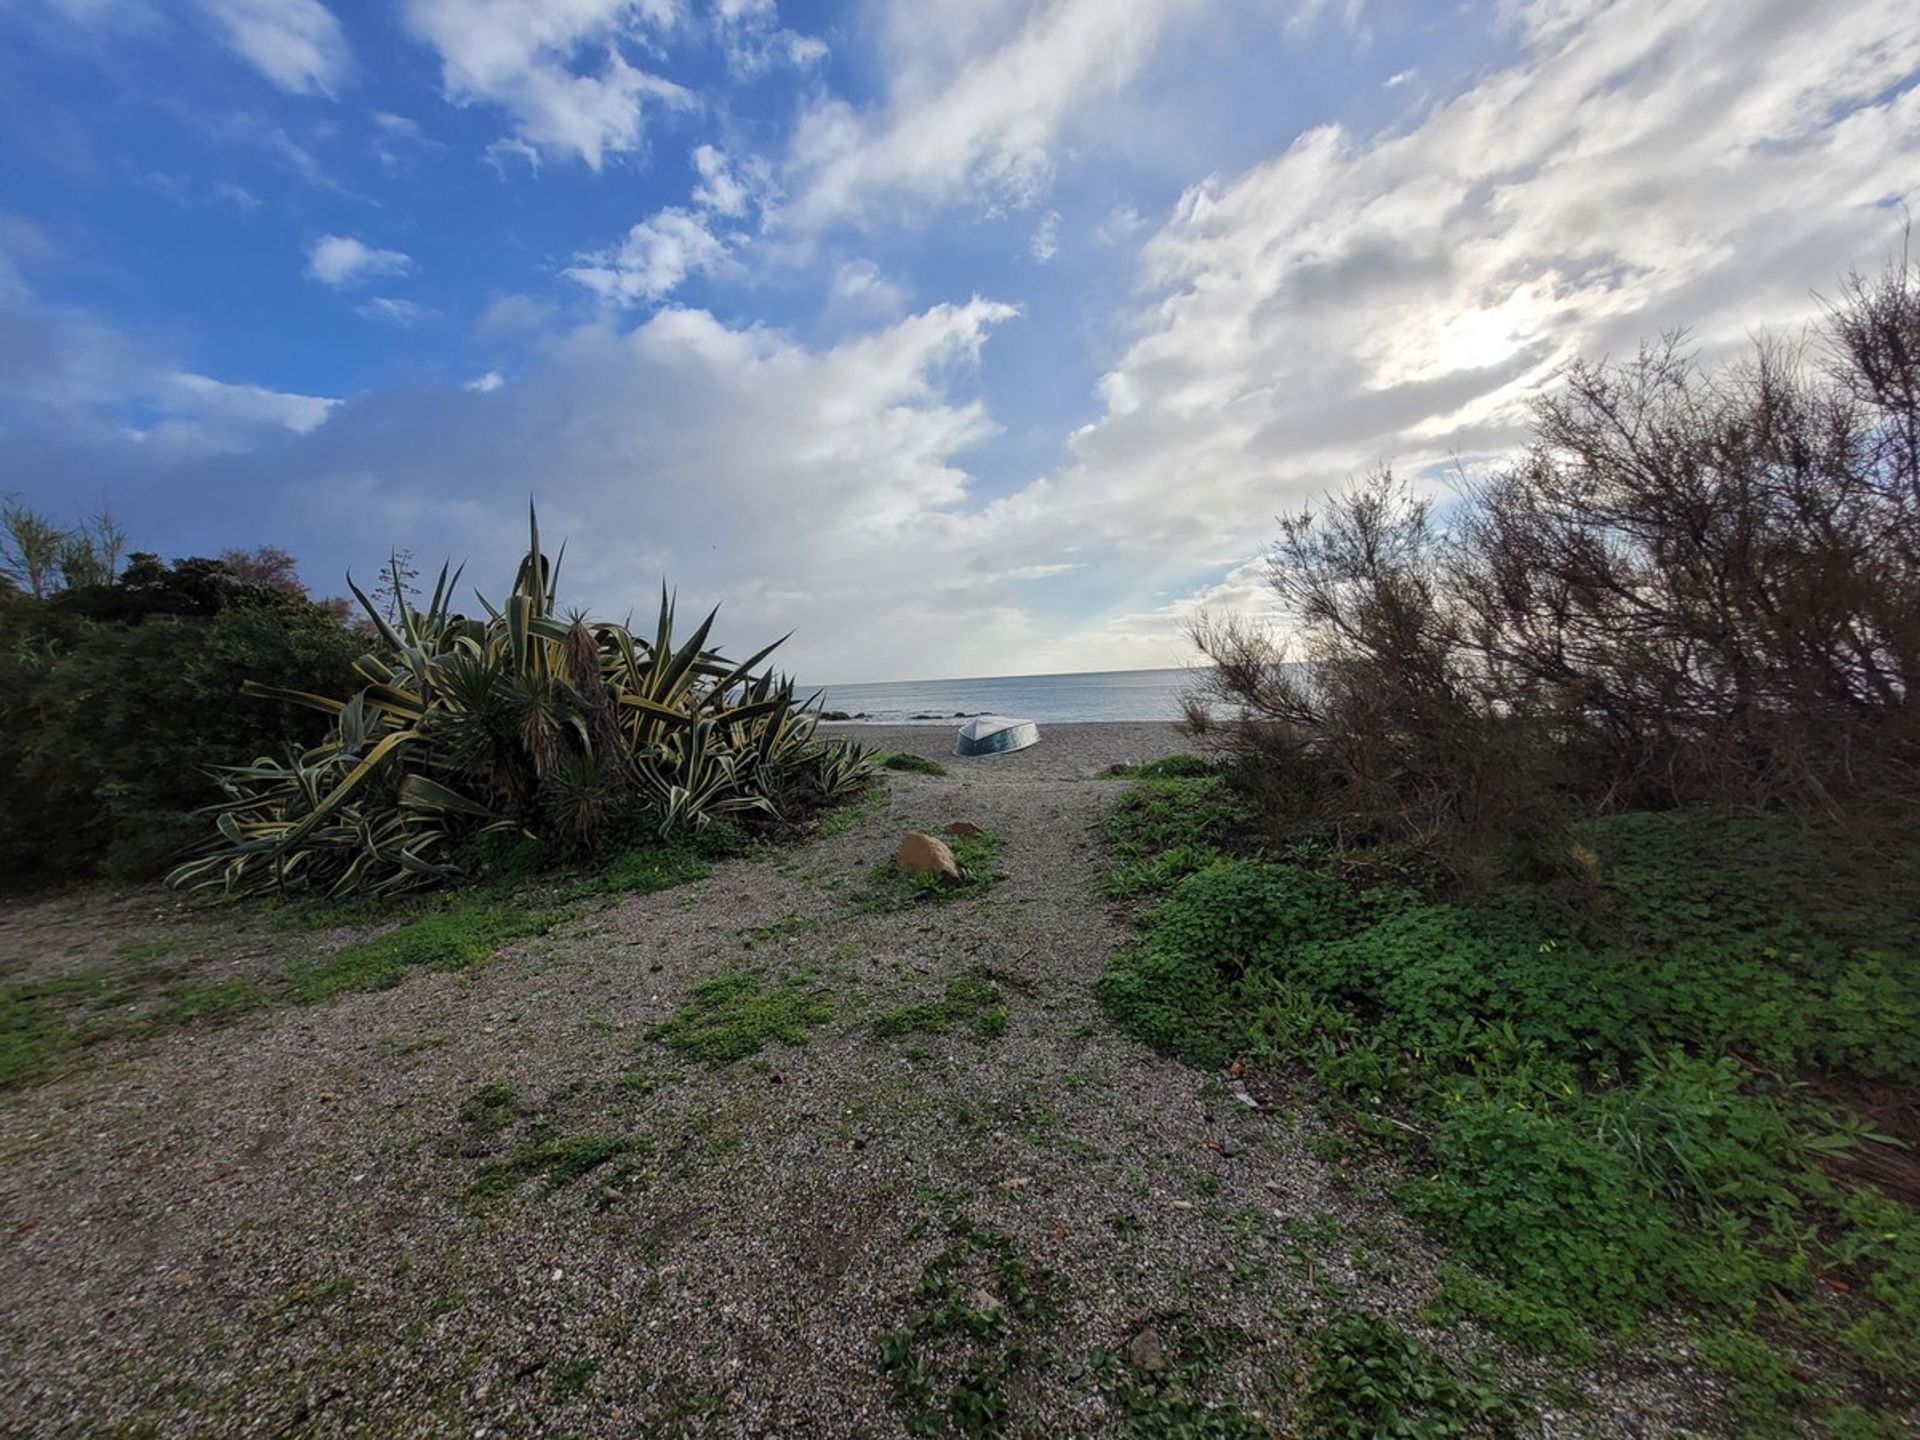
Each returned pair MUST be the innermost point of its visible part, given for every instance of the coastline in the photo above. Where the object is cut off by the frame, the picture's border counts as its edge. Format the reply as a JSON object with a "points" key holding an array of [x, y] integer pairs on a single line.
{"points": [[1075, 750]]}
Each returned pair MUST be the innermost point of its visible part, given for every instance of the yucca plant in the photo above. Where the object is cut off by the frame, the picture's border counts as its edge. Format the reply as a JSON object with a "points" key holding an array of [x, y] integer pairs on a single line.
{"points": [[521, 720]]}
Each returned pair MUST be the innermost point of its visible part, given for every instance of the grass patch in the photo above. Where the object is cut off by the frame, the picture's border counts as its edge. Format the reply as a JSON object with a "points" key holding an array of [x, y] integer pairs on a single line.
{"points": [[979, 1308], [557, 1162], [889, 887], [33, 1025], [1603, 1119], [188, 1001], [736, 1013], [489, 1110], [910, 764], [969, 1001], [459, 936]]}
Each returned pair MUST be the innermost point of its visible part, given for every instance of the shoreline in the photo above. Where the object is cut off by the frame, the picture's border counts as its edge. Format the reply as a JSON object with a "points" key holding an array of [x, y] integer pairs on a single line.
{"points": [[1072, 750]]}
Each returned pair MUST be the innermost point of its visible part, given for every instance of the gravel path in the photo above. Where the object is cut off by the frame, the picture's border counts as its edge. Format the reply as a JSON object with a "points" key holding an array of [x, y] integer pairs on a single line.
{"points": [[271, 1227]]}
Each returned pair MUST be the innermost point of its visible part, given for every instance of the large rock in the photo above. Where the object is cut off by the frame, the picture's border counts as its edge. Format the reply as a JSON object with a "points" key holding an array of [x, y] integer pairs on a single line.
{"points": [[923, 855]]}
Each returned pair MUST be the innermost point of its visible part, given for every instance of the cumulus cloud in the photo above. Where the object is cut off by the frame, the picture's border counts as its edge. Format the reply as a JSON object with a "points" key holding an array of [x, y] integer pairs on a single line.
{"points": [[297, 44], [341, 261], [978, 97], [861, 291], [656, 255], [558, 70], [242, 407], [726, 187], [795, 483]]}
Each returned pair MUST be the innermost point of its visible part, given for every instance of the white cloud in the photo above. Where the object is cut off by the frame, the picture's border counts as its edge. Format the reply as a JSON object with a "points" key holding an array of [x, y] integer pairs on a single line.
{"points": [[391, 311], [977, 98], [242, 407], [754, 40], [341, 260], [297, 44], [725, 190], [1401, 297], [861, 292], [486, 384], [1045, 243], [556, 67], [656, 255]]}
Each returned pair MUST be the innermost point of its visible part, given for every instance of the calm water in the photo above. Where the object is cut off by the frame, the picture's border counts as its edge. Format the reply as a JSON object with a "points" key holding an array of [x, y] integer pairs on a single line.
{"points": [[1104, 695]]}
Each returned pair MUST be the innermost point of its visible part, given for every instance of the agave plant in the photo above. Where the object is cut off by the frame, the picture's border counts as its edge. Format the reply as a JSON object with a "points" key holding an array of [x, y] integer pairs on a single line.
{"points": [[521, 720]]}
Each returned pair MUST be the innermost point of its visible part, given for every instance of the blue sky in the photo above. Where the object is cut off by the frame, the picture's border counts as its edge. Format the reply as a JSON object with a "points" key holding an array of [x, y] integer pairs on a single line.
{"points": [[962, 336]]}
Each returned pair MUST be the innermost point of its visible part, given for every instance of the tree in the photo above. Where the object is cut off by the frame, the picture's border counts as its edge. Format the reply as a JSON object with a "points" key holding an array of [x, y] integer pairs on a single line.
{"points": [[30, 548], [265, 565], [1696, 586]]}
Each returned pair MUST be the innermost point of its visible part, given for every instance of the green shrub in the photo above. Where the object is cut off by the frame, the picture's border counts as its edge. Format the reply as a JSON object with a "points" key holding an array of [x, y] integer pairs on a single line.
{"points": [[1167, 767], [1368, 1378], [110, 725], [521, 721], [1596, 1137]]}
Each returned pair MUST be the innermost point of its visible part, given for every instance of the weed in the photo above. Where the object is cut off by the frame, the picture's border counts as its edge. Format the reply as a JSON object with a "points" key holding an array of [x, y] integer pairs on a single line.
{"points": [[736, 1013], [979, 1308], [1159, 1382], [489, 1109], [1369, 1378], [970, 1001], [463, 934], [911, 764], [1167, 767], [1599, 1126], [33, 1025], [572, 1377], [558, 1162]]}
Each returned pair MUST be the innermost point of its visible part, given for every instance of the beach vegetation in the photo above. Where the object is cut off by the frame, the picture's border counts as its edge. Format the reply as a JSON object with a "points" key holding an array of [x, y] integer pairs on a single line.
{"points": [[521, 723], [121, 688], [909, 764], [737, 1012], [888, 887], [971, 1001], [1697, 586]]}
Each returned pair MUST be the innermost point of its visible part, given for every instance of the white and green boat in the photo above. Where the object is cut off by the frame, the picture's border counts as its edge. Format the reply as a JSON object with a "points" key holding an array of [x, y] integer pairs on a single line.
{"points": [[995, 735]]}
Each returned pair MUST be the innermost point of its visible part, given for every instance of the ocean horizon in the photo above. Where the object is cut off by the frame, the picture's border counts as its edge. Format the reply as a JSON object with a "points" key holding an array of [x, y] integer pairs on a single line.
{"points": [[1057, 699]]}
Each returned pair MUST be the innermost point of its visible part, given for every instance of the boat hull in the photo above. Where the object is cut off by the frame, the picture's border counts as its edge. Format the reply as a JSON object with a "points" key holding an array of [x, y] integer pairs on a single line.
{"points": [[1003, 739]]}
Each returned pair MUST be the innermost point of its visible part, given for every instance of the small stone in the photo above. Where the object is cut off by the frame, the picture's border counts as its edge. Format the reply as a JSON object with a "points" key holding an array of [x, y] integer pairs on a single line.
{"points": [[964, 827], [922, 854], [1147, 1351], [985, 1302]]}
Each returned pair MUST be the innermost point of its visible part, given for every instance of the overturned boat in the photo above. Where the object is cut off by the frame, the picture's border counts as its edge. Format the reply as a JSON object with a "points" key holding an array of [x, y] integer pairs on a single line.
{"points": [[995, 735]]}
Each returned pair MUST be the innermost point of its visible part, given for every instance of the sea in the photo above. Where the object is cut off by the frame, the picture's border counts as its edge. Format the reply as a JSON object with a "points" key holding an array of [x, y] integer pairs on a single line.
{"points": [[1056, 699]]}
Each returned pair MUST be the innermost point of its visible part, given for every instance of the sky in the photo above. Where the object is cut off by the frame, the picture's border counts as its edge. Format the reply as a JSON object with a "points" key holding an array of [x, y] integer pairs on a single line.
{"points": [[959, 337]]}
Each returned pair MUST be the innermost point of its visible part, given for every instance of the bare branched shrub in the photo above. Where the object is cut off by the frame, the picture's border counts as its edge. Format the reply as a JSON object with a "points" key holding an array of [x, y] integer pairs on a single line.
{"points": [[1695, 586]]}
